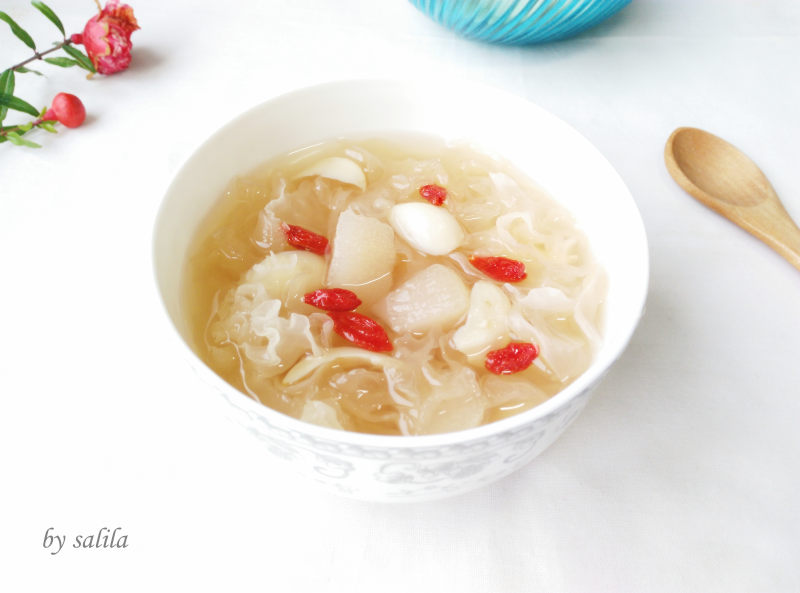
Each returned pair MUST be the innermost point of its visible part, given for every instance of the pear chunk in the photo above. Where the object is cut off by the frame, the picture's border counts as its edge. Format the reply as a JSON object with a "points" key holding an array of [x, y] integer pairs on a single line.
{"points": [[362, 257], [433, 297], [321, 414]]}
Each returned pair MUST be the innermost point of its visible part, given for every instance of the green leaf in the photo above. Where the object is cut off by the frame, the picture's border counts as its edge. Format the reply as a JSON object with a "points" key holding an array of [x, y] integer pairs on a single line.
{"points": [[48, 126], [24, 70], [25, 127], [7, 82], [48, 12], [6, 88], [18, 104], [21, 33], [82, 59], [63, 62], [15, 138]]}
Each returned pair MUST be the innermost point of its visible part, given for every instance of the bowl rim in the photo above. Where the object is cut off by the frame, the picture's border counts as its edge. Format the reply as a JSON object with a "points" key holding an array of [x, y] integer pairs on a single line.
{"points": [[584, 382]]}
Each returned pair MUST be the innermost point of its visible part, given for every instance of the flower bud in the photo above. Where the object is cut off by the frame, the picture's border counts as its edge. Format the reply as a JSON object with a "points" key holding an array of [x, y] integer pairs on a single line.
{"points": [[66, 109]]}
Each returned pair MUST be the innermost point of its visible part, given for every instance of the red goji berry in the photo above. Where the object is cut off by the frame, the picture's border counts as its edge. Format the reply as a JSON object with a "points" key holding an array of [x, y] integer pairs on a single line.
{"points": [[361, 330], [333, 299], [515, 357], [501, 269], [305, 239], [435, 194]]}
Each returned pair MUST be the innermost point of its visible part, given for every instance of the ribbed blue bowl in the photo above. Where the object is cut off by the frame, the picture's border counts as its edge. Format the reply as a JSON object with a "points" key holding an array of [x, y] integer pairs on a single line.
{"points": [[518, 22]]}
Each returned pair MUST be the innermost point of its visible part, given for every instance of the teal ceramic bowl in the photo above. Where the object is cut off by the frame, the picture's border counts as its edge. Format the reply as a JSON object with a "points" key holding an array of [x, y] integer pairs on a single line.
{"points": [[519, 22]]}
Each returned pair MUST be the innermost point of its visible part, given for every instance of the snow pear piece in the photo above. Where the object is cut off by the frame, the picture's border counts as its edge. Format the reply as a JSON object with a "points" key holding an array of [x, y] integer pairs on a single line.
{"points": [[362, 257], [321, 414], [433, 297]]}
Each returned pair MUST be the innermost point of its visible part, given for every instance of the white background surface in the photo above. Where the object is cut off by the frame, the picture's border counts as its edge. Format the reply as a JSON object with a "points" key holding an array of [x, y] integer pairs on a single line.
{"points": [[683, 474]]}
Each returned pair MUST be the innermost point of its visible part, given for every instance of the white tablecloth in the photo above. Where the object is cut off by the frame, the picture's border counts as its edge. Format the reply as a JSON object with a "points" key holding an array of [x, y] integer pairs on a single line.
{"points": [[682, 475]]}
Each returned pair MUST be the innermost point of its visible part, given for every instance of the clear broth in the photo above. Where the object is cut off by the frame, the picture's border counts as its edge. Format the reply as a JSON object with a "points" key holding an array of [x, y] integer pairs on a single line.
{"points": [[440, 389]]}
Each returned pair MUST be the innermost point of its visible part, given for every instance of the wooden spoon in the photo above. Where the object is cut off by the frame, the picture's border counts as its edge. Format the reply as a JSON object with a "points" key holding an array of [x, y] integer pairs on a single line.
{"points": [[723, 178]]}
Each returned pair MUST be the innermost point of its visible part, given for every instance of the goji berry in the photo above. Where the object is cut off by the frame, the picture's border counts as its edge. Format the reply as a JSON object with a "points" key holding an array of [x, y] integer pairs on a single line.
{"points": [[361, 330], [305, 239], [435, 194], [515, 357], [501, 269], [333, 299]]}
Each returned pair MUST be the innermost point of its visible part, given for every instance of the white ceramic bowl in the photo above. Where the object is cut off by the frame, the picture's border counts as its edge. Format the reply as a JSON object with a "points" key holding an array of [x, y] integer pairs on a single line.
{"points": [[393, 468]]}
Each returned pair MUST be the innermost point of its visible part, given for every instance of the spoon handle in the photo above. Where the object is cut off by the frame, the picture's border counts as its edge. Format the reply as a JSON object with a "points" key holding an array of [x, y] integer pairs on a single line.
{"points": [[778, 231], [768, 221]]}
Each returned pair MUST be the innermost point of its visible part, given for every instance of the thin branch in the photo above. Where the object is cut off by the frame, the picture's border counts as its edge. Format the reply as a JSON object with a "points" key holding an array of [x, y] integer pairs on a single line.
{"points": [[4, 130], [39, 54]]}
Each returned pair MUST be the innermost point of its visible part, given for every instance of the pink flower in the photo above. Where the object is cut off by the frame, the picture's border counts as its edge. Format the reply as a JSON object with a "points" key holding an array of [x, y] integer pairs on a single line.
{"points": [[107, 37]]}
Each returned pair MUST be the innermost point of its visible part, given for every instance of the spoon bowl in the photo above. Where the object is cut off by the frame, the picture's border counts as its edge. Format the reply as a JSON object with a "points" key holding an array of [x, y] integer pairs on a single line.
{"points": [[722, 177]]}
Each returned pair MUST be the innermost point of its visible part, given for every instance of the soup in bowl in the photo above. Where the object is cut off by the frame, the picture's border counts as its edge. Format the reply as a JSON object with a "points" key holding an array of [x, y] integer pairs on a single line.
{"points": [[405, 294]]}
